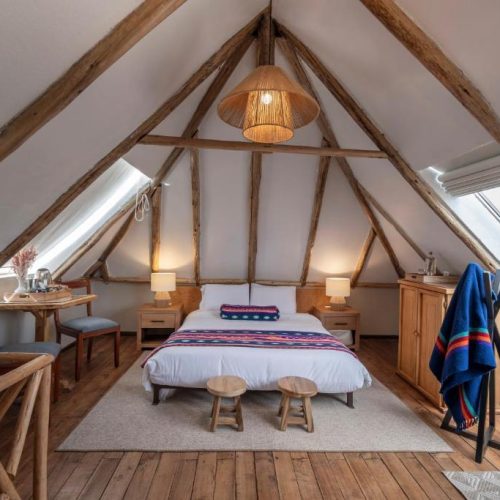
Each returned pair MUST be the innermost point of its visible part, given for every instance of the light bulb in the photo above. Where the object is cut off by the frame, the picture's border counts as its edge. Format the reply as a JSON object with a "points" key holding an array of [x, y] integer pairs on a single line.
{"points": [[266, 98]]}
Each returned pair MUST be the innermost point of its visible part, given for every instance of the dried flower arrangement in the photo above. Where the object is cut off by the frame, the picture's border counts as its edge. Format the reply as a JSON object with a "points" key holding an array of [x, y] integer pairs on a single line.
{"points": [[21, 262]]}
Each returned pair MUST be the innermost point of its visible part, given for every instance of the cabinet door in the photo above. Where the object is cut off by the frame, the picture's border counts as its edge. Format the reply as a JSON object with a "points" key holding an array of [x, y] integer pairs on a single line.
{"points": [[432, 308], [408, 326]]}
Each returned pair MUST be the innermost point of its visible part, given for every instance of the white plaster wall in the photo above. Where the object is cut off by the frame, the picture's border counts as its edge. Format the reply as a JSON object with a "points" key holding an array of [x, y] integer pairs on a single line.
{"points": [[416, 113]]}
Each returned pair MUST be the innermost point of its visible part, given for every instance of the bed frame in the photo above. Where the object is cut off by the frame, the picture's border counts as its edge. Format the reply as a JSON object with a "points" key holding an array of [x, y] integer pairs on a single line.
{"points": [[158, 387]]}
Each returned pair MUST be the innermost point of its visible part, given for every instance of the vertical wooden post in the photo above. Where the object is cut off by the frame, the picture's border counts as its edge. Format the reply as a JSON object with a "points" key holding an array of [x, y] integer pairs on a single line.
{"points": [[265, 55], [324, 164], [156, 229], [289, 49], [255, 176], [195, 197], [42, 437]]}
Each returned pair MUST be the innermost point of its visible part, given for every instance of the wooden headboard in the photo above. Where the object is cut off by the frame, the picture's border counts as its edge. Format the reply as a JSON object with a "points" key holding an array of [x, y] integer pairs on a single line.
{"points": [[307, 297]]}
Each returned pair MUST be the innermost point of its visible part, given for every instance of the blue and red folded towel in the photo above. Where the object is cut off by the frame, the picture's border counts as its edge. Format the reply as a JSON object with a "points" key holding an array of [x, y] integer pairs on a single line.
{"points": [[252, 313], [464, 352]]}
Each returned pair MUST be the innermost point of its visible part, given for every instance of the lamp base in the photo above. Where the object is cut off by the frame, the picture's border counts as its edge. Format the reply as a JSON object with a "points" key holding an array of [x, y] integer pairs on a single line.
{"points": [[162, 299], [338, 304]]}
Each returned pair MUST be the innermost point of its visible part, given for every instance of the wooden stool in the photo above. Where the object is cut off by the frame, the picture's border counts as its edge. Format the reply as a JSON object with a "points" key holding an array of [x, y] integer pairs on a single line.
{"points": [[226, 386], [296, 388]]}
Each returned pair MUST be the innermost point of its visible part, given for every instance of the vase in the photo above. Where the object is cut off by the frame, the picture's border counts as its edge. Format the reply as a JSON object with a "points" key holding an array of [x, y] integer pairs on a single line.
{"points": [[21, 285]]}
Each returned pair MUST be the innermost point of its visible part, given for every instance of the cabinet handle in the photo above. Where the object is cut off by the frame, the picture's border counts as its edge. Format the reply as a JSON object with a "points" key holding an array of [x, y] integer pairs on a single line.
{"points": [[340, 324], [416, 333], [157, 321]]}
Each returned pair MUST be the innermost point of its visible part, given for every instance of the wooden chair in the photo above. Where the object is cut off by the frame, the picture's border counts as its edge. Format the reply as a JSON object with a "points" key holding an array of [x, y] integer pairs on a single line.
{"points": [[52, 348], [296, 388], [33, 375], [229, 387], [87, 327]]}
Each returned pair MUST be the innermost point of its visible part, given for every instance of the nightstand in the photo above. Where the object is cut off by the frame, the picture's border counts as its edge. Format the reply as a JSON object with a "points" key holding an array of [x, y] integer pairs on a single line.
{"points": [[150, 317], [340, 320]]}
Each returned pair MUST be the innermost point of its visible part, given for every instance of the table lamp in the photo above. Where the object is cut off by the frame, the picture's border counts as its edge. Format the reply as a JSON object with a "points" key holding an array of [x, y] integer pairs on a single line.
{"points": [[161, 284], [338, 289]]}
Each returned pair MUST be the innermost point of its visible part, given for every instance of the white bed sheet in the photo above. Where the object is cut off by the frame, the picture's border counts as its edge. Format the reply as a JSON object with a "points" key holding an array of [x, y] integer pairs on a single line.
{"points": [[333, 371]]}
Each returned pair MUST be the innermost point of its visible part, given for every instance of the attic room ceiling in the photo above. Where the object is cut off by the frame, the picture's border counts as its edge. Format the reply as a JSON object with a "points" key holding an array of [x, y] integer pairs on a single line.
{"points": [[423, 120]]}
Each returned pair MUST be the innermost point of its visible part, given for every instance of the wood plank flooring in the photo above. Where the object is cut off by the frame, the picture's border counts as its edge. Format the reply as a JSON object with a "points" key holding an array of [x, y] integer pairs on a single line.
{"points": [[242, 475]]}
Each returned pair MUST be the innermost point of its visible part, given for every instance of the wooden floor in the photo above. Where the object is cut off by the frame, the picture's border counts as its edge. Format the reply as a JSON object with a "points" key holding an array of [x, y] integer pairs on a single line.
{"points": [[221, 475]]}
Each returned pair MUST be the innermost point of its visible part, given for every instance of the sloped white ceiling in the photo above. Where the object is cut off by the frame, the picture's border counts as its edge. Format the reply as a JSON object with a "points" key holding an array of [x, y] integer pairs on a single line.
{"points": [[414, 110]]}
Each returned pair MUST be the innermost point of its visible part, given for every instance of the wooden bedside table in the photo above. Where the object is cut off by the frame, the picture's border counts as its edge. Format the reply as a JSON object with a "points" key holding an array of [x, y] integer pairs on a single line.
{"points": [[151, 317], [340, 320]]}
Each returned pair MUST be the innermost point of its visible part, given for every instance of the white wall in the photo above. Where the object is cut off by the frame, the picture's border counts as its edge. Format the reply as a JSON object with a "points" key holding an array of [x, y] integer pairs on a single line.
{"points": [[413, 109]]}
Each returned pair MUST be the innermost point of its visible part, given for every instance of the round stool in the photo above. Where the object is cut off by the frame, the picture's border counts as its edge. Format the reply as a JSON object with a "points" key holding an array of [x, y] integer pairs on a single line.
{"points": [[296, 388], [226, 386]]}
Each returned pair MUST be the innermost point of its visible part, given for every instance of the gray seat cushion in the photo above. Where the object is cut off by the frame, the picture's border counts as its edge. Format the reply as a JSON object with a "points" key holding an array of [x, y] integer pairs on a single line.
{"points": [[34, 347], [90, 324]]}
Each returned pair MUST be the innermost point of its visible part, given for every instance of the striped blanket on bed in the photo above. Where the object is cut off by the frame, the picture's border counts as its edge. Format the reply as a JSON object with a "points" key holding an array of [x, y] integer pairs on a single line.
{"points": [[254, 339]]}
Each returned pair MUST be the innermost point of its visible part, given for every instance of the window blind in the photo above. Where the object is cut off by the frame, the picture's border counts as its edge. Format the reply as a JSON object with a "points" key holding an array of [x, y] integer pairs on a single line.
{"points": [[472, 178]]}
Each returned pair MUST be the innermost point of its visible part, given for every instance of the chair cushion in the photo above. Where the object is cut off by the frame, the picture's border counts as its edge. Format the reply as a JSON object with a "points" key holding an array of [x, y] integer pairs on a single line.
{"points": [[52, 348], [90, 324]]}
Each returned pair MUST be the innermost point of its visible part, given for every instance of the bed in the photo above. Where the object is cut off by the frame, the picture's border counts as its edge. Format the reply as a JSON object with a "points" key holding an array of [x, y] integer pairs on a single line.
{"points": [[334, 372]]}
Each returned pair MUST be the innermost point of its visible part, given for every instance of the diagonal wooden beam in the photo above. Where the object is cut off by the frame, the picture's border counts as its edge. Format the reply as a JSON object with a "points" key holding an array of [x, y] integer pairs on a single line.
{"points": [[155, 229], [190, 131], [382, 142], [436, 61], [324, 164], [329, 135], [203, 72], [205, 104], [112, 244], [255, 176], [192, 142], [83, 72], [363, 257], [195, 200]]}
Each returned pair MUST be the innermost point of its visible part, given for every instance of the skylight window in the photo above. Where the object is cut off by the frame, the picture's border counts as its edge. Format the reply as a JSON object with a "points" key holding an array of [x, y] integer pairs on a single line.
{"points": [[89, 211]]}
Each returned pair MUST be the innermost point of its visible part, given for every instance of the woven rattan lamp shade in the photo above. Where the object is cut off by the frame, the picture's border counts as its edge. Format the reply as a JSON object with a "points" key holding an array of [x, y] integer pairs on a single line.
{"points": [[268, 106]]}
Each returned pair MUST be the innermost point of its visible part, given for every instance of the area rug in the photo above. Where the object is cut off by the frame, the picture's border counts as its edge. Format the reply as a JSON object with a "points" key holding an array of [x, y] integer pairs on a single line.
{"points": [[125, 419], [476, 485]]}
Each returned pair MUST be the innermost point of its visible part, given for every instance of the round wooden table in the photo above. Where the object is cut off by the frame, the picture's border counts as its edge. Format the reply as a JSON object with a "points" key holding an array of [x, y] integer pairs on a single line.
{"points": [[296, 388], [230, 387]]}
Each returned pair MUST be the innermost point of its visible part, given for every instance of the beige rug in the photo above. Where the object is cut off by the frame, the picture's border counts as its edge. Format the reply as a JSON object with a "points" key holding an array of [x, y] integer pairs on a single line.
{"points": [[125, 419]]}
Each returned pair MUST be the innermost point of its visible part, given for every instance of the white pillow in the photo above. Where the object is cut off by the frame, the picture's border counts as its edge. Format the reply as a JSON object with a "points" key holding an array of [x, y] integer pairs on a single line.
{"points": [[213, 296], [284, 297]]}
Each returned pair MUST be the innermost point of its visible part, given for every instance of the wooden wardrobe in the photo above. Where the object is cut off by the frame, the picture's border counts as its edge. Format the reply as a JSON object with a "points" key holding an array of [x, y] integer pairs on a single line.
{"points": [[421, 312]]}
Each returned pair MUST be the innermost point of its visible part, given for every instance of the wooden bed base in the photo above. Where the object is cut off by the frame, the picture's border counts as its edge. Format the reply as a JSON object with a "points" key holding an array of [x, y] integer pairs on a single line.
{"points": [[158, 387]]}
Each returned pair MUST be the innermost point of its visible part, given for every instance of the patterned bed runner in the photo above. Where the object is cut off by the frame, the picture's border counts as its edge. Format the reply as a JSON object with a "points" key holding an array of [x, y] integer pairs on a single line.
{"points": [[253, 339]]}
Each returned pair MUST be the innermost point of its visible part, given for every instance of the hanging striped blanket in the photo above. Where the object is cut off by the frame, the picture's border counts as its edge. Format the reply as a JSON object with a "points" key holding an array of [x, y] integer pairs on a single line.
{"points": [[253, 339], [463, 352]]}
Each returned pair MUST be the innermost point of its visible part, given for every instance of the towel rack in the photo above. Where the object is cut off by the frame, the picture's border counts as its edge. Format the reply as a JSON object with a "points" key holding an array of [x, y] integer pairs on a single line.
{"points": [[484, 435]]}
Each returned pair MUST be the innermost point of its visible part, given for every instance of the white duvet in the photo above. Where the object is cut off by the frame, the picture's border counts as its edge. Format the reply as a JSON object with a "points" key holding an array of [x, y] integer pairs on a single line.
{"points": [[333, 371]]}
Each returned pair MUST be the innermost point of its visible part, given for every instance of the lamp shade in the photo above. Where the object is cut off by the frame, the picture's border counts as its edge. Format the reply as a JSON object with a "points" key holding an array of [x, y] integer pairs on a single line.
{"points": [[268, 106], [338, 287], [162, 282]]}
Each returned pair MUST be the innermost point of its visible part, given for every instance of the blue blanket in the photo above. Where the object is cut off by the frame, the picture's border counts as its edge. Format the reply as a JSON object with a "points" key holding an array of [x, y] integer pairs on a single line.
{"points": [[463, 352]]}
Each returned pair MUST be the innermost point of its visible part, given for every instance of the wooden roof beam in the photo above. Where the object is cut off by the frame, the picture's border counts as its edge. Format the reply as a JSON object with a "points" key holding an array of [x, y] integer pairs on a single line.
{"points": [[382, 142], [363, 257], [329, 135], [324, 166], [203, 72], [188, 142], [195, 201], [83, 72], [436, 61]]}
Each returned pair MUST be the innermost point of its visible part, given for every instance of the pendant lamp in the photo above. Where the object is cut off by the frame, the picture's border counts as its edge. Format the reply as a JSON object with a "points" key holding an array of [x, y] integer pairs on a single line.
{"points": [[268, 106]]}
